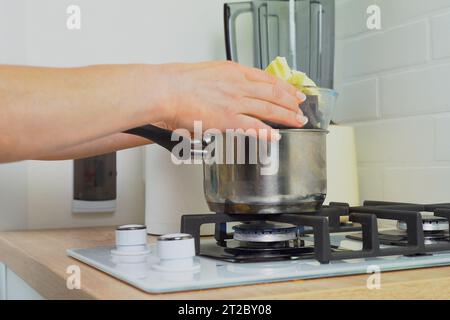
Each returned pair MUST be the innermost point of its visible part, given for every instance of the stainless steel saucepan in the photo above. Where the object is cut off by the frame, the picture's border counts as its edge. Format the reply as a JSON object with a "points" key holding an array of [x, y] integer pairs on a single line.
{"points": [[297, 185]]}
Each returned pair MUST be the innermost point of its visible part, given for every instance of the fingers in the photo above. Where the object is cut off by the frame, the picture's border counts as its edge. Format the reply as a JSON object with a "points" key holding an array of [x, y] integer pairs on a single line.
{"points": [[257, 75], [274, 93], [270, 112], [256, 128]]}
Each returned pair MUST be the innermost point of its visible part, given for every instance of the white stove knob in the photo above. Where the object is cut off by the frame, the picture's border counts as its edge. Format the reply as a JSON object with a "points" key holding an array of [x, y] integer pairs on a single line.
{"points": [[176, 253], [175, 246], [131, 238]]}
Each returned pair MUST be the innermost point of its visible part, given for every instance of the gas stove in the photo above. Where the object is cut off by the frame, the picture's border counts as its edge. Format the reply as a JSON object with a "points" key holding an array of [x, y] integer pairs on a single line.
{"points": [[421, 229], [248, 249]]}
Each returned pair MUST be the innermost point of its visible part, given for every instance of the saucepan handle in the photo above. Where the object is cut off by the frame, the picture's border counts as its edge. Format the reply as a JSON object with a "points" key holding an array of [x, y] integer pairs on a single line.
{"points": [[165, 138], [158, 135]]}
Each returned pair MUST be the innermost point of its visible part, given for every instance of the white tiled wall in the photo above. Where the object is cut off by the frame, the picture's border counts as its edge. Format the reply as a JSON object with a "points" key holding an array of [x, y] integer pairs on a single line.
{"points": [[395, 89], [440, 26]]}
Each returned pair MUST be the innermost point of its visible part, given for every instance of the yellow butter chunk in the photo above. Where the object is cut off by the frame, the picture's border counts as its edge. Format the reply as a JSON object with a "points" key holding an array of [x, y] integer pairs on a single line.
{"points": [[297, 78], [300, 79], [280, 68], [304, 83], [311, 91]]}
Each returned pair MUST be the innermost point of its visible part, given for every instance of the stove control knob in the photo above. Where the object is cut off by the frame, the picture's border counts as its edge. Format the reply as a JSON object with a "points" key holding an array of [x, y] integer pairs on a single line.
{"points": [[176, 253], [131, 238], [175, 246]]}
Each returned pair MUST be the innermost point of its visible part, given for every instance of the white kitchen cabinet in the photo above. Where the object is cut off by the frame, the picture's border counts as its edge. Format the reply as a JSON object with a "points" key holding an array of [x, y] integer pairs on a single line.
{"points": [[12, 287]]}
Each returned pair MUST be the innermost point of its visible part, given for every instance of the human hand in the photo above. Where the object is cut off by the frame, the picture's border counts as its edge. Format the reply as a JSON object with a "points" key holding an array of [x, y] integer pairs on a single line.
{"points": [[226, 95]]}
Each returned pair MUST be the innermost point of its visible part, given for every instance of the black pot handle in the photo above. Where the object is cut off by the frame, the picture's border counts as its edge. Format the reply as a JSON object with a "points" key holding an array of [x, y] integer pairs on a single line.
{"points": [[158, 135], [168, 140]]}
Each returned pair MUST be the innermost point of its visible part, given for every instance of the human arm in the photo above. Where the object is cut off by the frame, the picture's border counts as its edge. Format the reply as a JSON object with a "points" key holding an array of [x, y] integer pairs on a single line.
{"points": [[44, 111]]}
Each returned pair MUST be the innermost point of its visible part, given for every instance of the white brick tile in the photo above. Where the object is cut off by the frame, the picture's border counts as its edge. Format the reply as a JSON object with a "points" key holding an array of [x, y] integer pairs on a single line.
{"points": [[442, 146], [440, 27], [426, 185], [400, 140], [415, 92], [383, 51], [397, 12], [357, 101], [351, 17], [415, 140], [370, 183]]}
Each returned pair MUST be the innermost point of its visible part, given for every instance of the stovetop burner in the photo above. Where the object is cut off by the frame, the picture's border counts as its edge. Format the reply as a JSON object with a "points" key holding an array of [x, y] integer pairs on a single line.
{"points": [[238, 251], [272, 237], [435, 230], [265, 231], [429, 224]]}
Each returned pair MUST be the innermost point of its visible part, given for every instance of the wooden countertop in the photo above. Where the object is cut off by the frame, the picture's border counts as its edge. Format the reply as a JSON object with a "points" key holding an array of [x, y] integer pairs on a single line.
{"points": [[39, 258]]}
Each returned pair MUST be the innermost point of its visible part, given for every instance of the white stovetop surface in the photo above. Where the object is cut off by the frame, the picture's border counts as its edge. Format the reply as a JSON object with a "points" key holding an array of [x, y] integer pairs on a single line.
{"points": [[210, 273]]}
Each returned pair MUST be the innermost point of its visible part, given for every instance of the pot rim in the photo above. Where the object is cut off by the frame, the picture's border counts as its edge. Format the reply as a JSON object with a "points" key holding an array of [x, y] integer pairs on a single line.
{"points": [[303, 130], [329, 91]]}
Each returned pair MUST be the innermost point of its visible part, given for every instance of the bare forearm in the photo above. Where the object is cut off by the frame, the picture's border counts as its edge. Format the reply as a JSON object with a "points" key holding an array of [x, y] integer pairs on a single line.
{"points": [[44, 110], [112, 143]]}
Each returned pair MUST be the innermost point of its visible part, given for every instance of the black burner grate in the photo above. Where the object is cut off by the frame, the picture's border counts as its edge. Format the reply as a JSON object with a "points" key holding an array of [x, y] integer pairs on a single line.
{"points": [[327, 221]]}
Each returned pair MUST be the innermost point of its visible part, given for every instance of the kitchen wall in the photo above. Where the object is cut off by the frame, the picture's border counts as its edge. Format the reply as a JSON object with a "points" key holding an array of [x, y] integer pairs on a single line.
{"points": [[393, 85], [37, 194], [395, 90]]}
